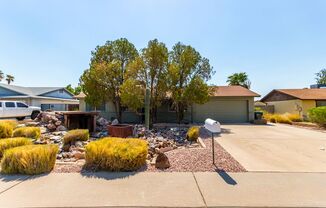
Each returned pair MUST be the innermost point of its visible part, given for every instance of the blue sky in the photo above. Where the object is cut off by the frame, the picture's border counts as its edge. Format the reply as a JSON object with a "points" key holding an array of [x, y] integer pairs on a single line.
{"points": [[280, 44]]}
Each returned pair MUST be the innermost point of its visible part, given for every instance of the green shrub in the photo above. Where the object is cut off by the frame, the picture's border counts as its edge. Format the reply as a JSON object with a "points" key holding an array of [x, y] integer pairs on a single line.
{"points": [[12, 123], [318, 115], [193, 133], [76, 135], [116, 154], [29, 132], [29, 159], [13, 142], [5, 130]]}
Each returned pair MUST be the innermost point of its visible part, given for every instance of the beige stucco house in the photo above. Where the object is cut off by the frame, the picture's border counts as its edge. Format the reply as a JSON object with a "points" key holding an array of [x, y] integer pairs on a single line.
{"points": [[296, 101], [228, 104]]}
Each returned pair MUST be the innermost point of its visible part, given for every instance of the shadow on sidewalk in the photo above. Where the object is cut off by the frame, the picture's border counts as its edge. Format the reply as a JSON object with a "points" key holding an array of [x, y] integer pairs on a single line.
{"points": [[19, 177], [108, 175], [225, 176]]}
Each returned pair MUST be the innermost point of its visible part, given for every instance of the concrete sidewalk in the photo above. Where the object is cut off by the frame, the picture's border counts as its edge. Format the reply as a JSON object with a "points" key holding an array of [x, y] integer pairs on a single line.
{"points": [[165, 190]]}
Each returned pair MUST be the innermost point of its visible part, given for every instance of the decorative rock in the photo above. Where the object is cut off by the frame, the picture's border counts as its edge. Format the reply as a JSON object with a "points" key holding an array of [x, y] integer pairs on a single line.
{"points": [[115, 122], [66, 147], [162, 161], [79, 155], [58, 123], [61, 128], [56, 139], [79, 144], [51, 127], [32, 123]]}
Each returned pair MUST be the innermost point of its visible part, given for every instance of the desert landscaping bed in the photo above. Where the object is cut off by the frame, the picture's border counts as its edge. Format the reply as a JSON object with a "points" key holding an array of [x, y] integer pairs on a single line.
{"points": [[167, 141]]}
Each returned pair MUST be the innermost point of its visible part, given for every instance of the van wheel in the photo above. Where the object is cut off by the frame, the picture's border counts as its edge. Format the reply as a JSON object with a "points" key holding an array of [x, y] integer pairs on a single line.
{"points": [[34, 114], [20, 118]]}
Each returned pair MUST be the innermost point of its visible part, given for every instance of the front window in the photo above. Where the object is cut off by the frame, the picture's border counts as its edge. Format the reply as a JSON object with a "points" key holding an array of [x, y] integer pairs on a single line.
{"points": [[10, 105], [22, 105]]}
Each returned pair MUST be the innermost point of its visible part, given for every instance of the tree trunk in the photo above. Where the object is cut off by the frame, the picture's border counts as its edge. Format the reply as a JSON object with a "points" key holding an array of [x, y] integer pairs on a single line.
{"points": [[118, 112]]}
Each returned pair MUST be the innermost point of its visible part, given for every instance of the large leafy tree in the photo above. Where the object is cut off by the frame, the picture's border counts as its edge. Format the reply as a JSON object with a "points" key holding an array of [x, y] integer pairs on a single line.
{"points": [[148, 70], [102, 81], [187, 75], [239, 79], [74, 90], [321, 77]]}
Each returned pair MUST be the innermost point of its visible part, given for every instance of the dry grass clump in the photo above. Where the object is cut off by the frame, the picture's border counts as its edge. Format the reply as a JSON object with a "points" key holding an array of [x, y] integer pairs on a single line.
{"points": [[193, 133], [29, 132], [12, 123], [286, 118], [29, 159], [6, 130], [76, 135], [13, 142], [116, 154]]}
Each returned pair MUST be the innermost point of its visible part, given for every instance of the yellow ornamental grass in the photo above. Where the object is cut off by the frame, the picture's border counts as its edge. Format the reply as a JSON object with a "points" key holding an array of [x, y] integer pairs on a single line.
{"points": [[193, 133], [116, 154], [76, 135], [29, 159], [293, 117], [29, 132], [13, 142], [12, 123], [5, 130]]}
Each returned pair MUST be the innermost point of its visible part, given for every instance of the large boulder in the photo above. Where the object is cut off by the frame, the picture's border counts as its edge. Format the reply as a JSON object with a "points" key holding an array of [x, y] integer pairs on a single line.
{"points": [[162, 161]]}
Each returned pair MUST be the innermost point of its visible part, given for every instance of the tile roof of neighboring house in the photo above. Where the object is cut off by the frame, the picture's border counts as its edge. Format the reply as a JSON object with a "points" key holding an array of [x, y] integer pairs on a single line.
{"points": [[303, 94], [218, 91], [233, 91], [31, 91]]}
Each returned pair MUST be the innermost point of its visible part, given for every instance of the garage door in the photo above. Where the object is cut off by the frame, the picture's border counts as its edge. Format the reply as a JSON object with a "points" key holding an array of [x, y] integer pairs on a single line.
{"points": [[224, 111]]}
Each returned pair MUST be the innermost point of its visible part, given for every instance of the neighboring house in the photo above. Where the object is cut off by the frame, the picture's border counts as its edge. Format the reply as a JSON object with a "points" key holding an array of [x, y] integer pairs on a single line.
{"points": [[228, 104], [54, 98], [297, 101]]}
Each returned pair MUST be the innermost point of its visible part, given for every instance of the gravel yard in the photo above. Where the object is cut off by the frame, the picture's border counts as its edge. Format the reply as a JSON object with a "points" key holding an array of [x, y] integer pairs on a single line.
{"points": [[182, 160]]}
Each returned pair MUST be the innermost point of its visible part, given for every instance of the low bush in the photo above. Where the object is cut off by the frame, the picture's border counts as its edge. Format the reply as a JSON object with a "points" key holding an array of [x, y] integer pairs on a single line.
{"points": [[5, 130], [13, 142], [76, 135], [294, 117], [318, 115], [279, 118], [29, 159], [12, 123], [282, 119], [116, 154], [29, 132], [193, 133]]}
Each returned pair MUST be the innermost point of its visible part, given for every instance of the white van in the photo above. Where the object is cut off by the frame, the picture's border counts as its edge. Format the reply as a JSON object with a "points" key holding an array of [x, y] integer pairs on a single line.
{"points": [[18, 110]]}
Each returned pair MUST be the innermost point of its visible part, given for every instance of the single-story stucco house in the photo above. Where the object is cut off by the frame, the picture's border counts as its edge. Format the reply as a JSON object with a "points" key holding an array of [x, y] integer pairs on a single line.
{"points": [[296, 101], [54, 98], [228, 104]]}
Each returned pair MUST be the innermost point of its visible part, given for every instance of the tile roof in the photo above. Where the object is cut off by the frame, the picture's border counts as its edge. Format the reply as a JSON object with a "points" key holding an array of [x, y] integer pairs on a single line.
{"points": [[305, 94], [232, 91]]}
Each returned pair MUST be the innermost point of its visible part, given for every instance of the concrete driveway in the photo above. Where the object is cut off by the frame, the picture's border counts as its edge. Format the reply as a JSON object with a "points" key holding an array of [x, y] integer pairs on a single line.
{"points": [[275, 147]]}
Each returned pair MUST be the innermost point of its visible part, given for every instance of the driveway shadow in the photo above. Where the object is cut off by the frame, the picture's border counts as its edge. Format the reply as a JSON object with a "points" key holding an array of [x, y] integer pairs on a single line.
{"points": [[19, 177]]}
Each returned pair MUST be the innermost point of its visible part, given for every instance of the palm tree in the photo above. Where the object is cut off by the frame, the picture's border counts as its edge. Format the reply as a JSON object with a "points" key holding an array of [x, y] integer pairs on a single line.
{"points": [[1, 75], [239, 79], [10, 78]]}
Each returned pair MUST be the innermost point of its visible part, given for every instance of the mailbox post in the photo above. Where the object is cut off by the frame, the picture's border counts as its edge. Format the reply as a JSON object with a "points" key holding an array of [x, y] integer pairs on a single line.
{"points": [[214, 127]]}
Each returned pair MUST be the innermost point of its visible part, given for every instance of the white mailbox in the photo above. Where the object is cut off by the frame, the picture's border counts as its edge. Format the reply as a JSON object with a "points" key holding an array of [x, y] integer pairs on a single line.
{"points": [[212, 126]]}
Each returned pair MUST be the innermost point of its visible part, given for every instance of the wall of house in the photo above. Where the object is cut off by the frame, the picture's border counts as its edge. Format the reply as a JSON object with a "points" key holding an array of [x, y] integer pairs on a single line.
{"points": [[306, 105], [58, 94], [287, 106]]}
